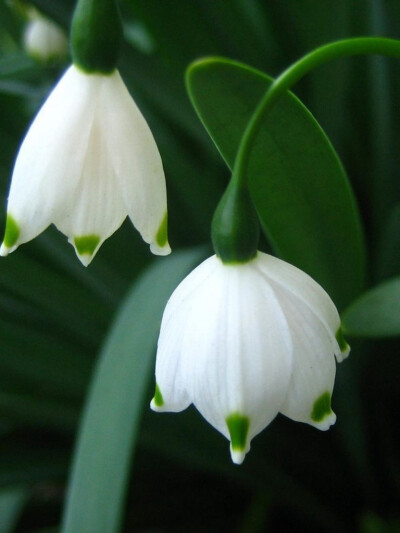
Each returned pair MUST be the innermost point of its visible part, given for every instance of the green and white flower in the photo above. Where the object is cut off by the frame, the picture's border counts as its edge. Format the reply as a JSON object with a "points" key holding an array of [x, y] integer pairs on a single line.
{"points": [[88, 160], [244, 341]]}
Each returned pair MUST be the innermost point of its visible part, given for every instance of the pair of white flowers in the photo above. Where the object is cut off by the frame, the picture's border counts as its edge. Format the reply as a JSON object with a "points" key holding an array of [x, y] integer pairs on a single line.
{"points": [[241, 341]]}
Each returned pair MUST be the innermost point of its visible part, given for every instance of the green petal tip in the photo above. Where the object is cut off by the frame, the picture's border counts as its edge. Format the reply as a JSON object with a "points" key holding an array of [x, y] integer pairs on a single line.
{"points": [[162, 233], [12, 232], [86, 246], [322, 408], [343, 344], [158, 399], [238, 427]]}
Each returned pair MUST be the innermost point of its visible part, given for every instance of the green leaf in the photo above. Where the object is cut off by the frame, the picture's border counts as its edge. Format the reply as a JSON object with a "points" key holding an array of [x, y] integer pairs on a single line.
{"points": [[301, 192], [376, 313], [12, 65], [114, 406], [12, 501]]}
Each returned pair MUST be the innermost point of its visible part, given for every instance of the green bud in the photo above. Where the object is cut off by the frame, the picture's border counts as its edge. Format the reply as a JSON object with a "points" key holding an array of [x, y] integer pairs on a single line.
{"points": [[235, 227], [96, 34]]}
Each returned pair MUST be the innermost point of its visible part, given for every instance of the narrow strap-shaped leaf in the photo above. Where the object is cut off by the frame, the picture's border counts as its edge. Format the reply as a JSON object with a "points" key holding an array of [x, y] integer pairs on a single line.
{"points": [[110, 422], [376, 313], [12, 501], [298, 184]]}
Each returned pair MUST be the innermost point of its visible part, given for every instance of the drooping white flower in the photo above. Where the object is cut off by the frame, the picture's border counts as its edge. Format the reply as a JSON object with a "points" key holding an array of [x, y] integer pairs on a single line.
{"points": [[43, 39], [88, 160], [243, 342]]}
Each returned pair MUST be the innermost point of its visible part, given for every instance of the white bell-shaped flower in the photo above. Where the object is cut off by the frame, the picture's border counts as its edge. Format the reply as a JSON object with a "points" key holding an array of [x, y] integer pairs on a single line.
{"points": [[88, 160], [43, 39], [244, 341]]}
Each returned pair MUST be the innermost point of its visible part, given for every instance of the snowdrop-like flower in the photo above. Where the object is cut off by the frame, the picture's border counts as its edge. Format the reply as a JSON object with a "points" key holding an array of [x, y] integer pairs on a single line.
{"points": [[89, 158], [244, 341], [43, 39]]}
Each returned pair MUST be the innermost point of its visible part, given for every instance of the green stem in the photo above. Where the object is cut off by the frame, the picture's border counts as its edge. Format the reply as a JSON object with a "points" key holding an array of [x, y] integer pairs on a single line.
{"points": [[320, 56]]}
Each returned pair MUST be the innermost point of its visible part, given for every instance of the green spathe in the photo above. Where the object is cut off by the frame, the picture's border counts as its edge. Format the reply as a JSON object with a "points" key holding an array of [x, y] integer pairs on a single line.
{"points": [[96, 34], [235, 227], [86, 244], [322, 407], [12, 232], [238, 426]]}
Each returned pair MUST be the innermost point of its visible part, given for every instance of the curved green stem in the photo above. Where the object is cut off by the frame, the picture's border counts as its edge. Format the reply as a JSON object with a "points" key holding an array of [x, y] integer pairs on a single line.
{"points": [[320, 56]]}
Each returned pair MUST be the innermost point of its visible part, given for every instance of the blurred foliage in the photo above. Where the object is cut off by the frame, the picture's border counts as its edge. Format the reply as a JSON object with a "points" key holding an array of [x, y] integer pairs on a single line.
{"points": [[54, 314]]}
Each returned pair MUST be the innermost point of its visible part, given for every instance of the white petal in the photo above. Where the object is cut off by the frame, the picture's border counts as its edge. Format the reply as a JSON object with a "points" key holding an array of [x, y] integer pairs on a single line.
{"points": [[304, 288], [137, 163], [314, 367], [170, 363], [96, 209], [51, 156]]}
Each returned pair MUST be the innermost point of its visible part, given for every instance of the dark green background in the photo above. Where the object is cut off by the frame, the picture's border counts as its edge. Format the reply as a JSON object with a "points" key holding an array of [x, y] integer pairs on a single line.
{"points": [[54, 314]]}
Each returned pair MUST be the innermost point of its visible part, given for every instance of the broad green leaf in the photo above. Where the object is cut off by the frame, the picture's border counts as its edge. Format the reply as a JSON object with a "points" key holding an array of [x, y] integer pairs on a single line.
{"points": [[113, 411], [302, 195], [376, 313], [12, 501]]}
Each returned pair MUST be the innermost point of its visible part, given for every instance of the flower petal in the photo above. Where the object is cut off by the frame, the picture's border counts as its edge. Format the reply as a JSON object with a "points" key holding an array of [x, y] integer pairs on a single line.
{"points": [[170, 363], [137, 163], [51, 156], [240, 350], [96, 208], [314, 367], [303, 288]]}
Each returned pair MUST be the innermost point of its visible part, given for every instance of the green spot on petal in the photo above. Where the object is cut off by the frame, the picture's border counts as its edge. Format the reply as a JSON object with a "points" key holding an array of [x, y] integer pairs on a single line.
{"points": [[321, 407], [158, 397], [162, 233], [238, 426], [341, 341], [86, 244], [12, 232]]}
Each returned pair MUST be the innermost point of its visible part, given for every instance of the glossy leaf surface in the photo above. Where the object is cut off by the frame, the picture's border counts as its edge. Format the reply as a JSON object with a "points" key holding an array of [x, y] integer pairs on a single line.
{"points": [[376, 313], [301, 192]]}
